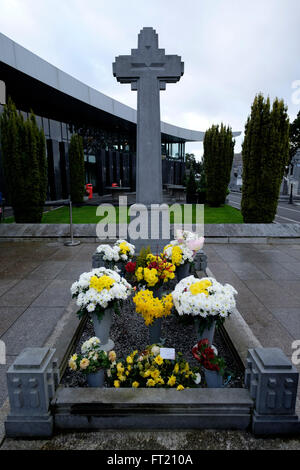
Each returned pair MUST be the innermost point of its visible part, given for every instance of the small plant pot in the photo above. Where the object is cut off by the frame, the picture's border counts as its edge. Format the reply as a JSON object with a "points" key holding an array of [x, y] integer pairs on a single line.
{"points": [[183, 271], [96, 379], [155, 331], [213, 379], [208, 333]]}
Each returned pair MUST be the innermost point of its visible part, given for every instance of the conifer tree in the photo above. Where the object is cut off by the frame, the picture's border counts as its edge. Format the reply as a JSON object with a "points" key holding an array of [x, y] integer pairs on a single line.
{"points": [[77, 171], [265, 154], [24, 163], [218, 157]]}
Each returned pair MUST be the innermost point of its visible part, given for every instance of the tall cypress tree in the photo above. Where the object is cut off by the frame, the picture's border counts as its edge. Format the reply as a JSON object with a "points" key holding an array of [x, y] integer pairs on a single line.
{"points": [[218, 157], [265, 153], [24, 162], [77, 171]]}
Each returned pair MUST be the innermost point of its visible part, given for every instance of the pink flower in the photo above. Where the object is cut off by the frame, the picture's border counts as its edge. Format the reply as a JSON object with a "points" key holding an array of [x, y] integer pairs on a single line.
{"points": [[195, 245]]}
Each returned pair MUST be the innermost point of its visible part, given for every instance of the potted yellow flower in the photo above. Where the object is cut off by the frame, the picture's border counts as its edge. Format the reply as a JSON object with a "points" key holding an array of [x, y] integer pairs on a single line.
{"points": [[153, 310], [92, 362]]}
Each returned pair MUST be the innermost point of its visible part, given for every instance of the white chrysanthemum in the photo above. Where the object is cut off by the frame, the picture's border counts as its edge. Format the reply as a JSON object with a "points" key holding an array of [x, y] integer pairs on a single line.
{"points": [[219, 301], [89, 297]]}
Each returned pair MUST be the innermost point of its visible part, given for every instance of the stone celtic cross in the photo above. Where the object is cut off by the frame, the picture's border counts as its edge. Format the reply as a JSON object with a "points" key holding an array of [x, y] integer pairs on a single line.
{"points": [[148, 69]]}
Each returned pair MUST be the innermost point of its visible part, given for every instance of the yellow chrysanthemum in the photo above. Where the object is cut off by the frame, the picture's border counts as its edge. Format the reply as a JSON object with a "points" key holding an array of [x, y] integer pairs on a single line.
{"points": [[200, 287], [176, 368], [72, 364], [124, 248], [150, 383], [180, 387], [172, 381], [135, 384], [177, 255], [159, 360], [100, 283], [117, 384]]}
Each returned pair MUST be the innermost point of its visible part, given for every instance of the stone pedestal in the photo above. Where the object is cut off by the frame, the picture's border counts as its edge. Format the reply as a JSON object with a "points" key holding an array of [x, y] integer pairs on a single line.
{"points": [[272, 381], [149, 226], [200, 261], [31, 380]]}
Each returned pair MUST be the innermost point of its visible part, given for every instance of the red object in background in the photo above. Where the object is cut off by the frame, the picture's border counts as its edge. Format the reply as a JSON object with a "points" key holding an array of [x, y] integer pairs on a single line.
{"points": [[89, 190], [130, 267], [114, 185]]}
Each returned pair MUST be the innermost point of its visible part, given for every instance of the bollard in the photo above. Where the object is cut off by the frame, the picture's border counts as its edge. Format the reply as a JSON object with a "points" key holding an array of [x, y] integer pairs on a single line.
{"points": [[31, 381], [71, 242], [272, 381]]}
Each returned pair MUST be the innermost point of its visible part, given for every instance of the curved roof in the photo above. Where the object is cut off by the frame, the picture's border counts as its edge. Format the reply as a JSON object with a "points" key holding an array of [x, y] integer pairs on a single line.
{"points": [[21, 59]]}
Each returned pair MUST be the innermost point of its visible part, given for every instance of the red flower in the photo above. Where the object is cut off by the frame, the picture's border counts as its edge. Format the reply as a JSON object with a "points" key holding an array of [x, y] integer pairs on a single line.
{"points": [[130, 267]]}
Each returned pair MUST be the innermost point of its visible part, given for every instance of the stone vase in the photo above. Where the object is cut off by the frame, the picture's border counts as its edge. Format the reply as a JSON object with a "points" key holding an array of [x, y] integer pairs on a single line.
{"points": [[155, 331], [96, 379], [213, 379], [183, 271], [208, 333], [102, 329]]}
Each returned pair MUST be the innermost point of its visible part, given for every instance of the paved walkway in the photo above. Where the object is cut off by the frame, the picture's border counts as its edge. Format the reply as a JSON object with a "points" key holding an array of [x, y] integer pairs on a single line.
{"points": [[35, 279]]}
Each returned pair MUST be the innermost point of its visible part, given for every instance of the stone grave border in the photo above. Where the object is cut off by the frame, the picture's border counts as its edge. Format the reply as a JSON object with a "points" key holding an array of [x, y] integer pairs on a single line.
{"points": [[214, 233], [39, 405]]}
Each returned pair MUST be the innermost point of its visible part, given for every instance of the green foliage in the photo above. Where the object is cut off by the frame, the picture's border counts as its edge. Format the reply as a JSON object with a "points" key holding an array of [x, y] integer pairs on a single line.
{"points": [[218, 157], [191, 188], [77, 172], [142, 257], [24, 163], [265, 153]]}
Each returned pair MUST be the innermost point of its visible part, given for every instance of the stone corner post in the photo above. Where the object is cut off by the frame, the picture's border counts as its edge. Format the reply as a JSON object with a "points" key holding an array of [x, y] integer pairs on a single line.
{"points": [[272, 381], [31, 380]]}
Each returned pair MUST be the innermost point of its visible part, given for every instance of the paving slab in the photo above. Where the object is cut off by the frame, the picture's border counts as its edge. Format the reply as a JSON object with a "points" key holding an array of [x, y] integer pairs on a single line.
{"points": [[56, 294], [289, 318], [8, 316], [23, 293], [36, 325], [47, 270]]}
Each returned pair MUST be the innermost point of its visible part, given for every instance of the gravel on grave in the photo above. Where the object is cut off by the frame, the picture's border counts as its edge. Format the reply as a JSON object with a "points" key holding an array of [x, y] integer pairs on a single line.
{"points": [[129, 333]]}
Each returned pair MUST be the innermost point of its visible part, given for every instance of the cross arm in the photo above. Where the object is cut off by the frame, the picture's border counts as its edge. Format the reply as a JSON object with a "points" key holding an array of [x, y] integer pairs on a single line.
{"points": [[122, 69]]}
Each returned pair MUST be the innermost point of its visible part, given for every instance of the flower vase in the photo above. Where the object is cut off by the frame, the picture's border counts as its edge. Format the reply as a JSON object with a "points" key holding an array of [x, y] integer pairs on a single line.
{"points": [[102, 329], [213, 379], [155, 331], [96, 379], [208, 333], [182, 271]]}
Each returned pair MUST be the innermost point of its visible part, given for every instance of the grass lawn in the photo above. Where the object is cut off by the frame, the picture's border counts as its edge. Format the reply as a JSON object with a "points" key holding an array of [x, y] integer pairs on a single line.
{"points": [[87, 215]]}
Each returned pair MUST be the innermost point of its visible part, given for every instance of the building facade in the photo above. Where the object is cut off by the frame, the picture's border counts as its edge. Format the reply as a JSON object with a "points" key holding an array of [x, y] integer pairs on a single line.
{"points": [[63, 105]]}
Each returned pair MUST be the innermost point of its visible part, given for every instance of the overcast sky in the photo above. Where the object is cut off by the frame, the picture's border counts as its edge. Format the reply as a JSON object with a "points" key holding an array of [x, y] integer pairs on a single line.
{"points": [[232, 49]]}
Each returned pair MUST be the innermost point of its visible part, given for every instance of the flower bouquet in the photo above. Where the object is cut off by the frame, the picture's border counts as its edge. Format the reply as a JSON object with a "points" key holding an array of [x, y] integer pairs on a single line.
{"points": [[205, 300], [99, 293], [92, 361], [156, 272], [214, 366], [118, 254], [149, 370], [181, 256]]}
